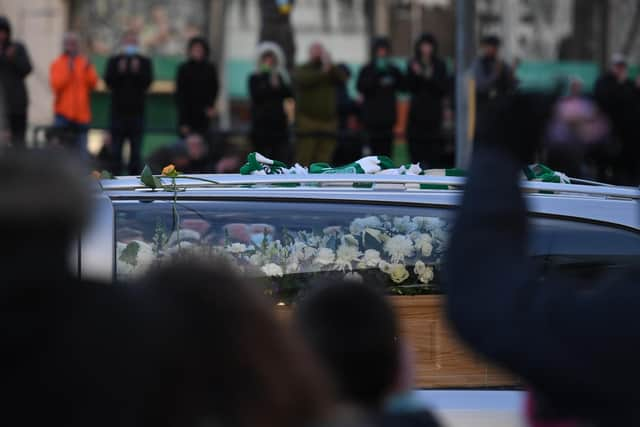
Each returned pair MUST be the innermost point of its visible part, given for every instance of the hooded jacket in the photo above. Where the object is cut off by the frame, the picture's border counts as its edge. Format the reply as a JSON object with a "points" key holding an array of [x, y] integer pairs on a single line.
{"points": [[379, 86], [197, 88], [427, 88], [267, 100], [15, 66], [72, 80]]}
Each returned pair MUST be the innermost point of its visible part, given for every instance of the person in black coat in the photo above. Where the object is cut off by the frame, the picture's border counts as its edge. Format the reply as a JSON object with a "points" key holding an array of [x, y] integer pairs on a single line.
{"points": [[269, 87], [427, 82], [196, 89], [15, 66], [378, 82], [128, 76], [619, 98], [577, 349]]}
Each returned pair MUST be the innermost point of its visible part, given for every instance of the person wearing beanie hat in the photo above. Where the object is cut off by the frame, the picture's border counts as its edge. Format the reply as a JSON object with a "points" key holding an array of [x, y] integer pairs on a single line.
{"points": [[494, 78], [619, 98], [378, 83], [15, 66], [197, 88], [427, 82]]}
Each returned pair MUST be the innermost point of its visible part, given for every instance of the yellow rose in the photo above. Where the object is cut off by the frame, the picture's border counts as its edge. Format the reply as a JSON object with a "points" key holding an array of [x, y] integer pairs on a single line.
{"points": [[398, 273], [169, 170]]}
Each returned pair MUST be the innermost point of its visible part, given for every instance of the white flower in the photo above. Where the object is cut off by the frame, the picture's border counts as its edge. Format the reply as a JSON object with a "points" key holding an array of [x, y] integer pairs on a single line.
{"points": [[398, 273], [334, 229], [424, 272], [423, 243], [358, 225], [354, 277], [399, 247], [256, 259], [272, 270], [237, 248], [185, 235], [325, 257], [434, 223], [371, 258], [384, 266], [345, 255], [293, 267], [404, 225], [349, 239]]}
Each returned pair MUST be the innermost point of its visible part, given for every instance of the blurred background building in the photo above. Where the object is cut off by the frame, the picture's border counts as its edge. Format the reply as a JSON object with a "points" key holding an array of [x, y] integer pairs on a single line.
{"points": [[547, 37]]}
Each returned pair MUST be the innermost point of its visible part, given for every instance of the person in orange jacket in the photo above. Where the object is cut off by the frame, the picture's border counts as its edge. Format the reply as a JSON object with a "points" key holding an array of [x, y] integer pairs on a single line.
{"points": [[72, 78]]}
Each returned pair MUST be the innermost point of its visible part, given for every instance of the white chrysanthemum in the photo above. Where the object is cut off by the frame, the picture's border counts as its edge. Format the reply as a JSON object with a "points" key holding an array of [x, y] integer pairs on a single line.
{"points": [[346, 255], [371, 258], [419, 268], [272, 270], [399, 247], [358, 225], [349, 239], [325, 257], [404, 225], [354, 277], [237, 248], [424, 244], [433, 223]]}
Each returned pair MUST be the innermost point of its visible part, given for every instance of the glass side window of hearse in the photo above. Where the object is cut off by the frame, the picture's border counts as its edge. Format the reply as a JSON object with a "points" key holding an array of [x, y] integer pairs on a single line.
{"points": [[286, 246]]}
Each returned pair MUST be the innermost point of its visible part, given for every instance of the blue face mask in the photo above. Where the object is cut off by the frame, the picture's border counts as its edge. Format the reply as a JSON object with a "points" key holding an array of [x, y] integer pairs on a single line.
{"points": [[130, 49]]}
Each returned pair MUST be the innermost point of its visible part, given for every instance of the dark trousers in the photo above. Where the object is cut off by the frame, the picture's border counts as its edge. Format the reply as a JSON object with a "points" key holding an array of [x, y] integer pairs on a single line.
{"points": [[426, 148], [17, 123], [127, 129], [380, 140], [273, 143]]}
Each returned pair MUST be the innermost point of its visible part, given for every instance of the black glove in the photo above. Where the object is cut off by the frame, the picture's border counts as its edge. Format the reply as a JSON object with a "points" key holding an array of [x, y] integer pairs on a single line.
{"points": [[516, 123]]}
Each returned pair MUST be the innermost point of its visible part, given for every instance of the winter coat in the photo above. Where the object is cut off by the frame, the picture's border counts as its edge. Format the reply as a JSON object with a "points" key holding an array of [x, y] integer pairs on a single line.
{"points": [[316, 91], [128, 88], [13, 71], [196, 90], [428, 89], [72, 80], [267, 100], [493, 78]]}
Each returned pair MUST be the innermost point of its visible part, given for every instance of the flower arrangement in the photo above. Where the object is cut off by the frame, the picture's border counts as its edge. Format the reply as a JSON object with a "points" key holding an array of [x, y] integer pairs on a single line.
{"points": [[403, 253]]}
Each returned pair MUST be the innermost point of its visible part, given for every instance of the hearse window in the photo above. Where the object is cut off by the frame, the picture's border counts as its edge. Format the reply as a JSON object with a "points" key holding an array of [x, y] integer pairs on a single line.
{"points": [[287, 245]]}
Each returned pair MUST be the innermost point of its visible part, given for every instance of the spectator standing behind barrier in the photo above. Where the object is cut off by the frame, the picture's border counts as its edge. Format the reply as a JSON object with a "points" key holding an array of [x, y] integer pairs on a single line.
{"points": [[427, 82], [494, 78], [316, 110], [269, 86], [378, 82], [619, 98], [72, 78], [349, 147], [197, 89], [128, 75], [352, 328], [15, 66]]}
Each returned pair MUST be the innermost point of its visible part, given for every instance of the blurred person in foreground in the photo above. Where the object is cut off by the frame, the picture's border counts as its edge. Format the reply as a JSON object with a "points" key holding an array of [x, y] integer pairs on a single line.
{"points": [[619, 97], [73, 78], [72, 349], [269, 87], [234, 363], [494, 78], [316, 108], [578, 350], [197, 88], [427, 81], [354, 331], [128, 76], [379, 82], [15, 66]]}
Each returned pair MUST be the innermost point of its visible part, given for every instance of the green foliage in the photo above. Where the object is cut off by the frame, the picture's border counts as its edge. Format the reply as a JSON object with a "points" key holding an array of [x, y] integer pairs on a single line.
{"points": [[148, 179], [130, 254]]}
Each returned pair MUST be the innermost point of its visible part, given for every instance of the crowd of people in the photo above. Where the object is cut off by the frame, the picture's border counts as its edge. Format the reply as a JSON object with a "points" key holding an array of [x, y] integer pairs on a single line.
{"points": [[307, 113]]}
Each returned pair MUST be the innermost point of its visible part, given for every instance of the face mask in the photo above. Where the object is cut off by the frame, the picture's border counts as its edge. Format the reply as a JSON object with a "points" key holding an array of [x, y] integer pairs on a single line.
{"points": [[130, 49], [265, 68], [382, 63]]}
